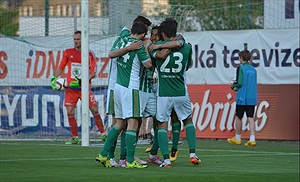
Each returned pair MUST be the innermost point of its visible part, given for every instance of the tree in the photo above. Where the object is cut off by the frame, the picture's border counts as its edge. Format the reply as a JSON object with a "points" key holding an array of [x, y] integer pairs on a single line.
{"points": [[8, 21]]}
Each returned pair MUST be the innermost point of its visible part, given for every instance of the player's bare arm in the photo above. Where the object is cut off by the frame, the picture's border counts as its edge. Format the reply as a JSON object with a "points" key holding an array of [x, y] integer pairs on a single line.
{"points": [[57, 72], [120, 52], [168, 45], [162, 54], [178, 36], [148, 64], [147, 43], [92, 75]]}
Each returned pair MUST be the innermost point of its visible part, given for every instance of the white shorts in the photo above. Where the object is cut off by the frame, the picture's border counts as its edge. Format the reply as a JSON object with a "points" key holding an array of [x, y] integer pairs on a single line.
{"points": [[127, 103], [148, 104], [110, 109], [181, 105]]}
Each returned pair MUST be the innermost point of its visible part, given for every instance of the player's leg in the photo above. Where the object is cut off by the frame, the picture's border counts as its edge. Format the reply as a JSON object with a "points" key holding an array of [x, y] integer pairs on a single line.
{"points": [[122, 162], [94, 110], [183, 110], [139, 128], [114, 131], [136, 158], [111, 153], [150, 111], [142, 128], [190, 132], [163, 143], [112, 136], [164, 108], [73, 126], [250, 113], [238, 126], [129, 106], [149, 122], [131, 141], [153, 158], [149, 134], [148, 149], [176, 127], [110, 110], [71, 98]]}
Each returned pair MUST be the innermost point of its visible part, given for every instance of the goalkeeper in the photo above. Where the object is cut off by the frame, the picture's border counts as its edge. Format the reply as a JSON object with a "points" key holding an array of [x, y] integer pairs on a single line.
{"points": [[72, 60]]}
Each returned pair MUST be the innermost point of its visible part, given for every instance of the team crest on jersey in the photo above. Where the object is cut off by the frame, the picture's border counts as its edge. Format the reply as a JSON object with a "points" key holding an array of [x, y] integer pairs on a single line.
{"points": [[77, 72]]}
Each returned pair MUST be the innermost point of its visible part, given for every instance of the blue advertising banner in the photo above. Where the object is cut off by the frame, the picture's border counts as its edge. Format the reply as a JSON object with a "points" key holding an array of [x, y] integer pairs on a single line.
{"points": [[40, 111]]}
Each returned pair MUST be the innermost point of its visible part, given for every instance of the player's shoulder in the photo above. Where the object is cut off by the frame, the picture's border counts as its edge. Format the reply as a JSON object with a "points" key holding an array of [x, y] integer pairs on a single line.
{"points": [[186, 46], [92, 52], [70, 49], [132, 39], [125, 32]]}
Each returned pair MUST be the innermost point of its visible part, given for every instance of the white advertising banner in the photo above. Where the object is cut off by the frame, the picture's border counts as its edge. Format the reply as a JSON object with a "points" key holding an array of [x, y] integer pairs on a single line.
{"points": [[276, 56]]}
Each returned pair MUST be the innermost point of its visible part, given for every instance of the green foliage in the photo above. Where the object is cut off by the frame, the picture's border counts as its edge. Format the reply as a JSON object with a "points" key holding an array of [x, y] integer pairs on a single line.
{"points": [[8, 21]]}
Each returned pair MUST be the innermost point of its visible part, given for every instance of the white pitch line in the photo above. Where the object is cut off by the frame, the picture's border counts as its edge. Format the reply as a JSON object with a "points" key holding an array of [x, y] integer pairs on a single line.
{"points": [[251, 152], [180, 149], [206, 156], [44, 159]]}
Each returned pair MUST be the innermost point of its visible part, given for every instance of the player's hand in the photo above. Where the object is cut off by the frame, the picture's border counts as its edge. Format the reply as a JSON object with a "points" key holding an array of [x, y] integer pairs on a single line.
{"points": [[232, 86], [135, 45], [154, 47], [147, 42], [76, 83], [53, 80]]}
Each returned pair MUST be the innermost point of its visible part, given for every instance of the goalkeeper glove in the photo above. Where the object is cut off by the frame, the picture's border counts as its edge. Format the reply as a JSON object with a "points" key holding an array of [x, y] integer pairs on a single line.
{"points": [[76, 83], [53, 80]]}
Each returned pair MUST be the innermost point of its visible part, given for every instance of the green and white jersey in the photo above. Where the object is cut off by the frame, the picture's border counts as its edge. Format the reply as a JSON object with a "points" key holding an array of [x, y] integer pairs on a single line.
{"points": [[125, 34], [129, 66], [146, 80], [118, 44], [172, 71]]}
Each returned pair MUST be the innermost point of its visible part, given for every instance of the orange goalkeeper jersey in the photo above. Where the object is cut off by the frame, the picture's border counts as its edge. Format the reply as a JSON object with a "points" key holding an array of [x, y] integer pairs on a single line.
{"points": [[72, 59]]}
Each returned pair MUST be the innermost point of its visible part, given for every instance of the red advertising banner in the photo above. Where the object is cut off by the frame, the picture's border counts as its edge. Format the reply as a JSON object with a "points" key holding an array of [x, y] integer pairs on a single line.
{"points": [[276, 115]]}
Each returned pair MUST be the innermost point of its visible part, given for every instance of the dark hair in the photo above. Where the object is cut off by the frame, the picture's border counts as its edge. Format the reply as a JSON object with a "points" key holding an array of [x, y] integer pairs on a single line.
{"points": [[173, 20], [155, 27], [77, 32], [142, 19], [169, 27], [245, 55], [138, 28], [158, 30]]}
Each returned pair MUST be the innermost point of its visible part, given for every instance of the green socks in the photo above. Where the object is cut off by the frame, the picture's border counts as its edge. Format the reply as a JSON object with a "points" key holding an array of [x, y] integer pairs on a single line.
{"points": [[123, 146], [163, 142], [191, 135], [112, 136], [130, 141], [176, 126]]}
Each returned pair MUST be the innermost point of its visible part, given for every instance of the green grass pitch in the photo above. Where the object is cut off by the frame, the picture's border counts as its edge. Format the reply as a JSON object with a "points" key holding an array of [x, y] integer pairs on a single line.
{"points": [[53, 161]]}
